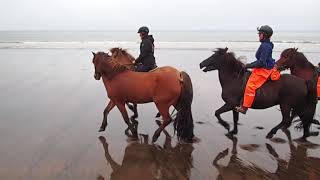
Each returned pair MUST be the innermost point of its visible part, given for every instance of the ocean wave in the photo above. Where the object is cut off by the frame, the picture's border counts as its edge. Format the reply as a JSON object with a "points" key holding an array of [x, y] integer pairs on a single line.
{"points": [[235, 45]]}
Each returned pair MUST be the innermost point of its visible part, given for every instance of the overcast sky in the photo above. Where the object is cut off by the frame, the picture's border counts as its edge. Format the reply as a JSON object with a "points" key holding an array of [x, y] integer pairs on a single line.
{"points": [[159, 14]]}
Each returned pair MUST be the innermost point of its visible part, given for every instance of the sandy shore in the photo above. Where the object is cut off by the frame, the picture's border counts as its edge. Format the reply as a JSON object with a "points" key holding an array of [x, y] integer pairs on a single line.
{"points": [[51, 109]]}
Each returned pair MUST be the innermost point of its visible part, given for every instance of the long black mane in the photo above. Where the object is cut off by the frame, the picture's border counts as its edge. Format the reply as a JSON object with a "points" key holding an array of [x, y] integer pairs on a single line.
{"points": [[231, 62]]}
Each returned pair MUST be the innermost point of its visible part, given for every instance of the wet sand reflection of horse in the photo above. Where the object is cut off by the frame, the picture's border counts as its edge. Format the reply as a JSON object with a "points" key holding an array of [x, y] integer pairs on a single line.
{"points": [[298, 167], [146, 161], [290, 92], [165, 86]]}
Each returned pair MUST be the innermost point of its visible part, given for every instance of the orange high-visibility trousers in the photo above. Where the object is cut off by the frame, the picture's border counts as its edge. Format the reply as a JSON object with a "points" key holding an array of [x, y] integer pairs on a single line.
{"points": [[257, 78], [318, 87]]}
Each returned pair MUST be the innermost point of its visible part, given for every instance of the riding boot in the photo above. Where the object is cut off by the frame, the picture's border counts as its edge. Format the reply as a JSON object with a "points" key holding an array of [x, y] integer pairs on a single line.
{"points": [[242, 109]]}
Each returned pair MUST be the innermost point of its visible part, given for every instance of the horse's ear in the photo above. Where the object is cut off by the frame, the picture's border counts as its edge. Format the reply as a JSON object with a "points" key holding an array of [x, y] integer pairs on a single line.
{"points": [[225, 50], [93, 53], [296, 49]]}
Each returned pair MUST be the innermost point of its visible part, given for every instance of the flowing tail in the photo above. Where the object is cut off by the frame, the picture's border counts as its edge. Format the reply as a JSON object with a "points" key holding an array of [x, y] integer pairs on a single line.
{"points": [[183, 122]]}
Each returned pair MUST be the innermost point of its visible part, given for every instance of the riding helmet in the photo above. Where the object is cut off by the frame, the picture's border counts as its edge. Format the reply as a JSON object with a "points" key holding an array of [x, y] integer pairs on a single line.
{"points": [[266, 30], [144, 29]]}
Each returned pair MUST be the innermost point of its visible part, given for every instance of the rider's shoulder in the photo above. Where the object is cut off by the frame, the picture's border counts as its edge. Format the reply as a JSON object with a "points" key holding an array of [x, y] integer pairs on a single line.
{"points": [[266, 45]]}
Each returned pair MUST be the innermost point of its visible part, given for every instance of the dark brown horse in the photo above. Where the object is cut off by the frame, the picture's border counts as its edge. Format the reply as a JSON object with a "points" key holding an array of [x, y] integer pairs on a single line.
{"points": [[299, 66], [165, 86], [288, 92]]}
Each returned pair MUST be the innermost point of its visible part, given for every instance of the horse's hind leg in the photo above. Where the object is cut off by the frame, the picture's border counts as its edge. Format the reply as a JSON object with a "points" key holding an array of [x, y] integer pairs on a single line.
{"points": [[122, 109], [105, 114], [225, 108], [292, 116], [164, 111], [285, 111]]}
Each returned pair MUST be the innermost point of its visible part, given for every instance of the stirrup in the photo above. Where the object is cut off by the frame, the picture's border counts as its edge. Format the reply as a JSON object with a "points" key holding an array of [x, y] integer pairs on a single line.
{"points": [[241, 109]]}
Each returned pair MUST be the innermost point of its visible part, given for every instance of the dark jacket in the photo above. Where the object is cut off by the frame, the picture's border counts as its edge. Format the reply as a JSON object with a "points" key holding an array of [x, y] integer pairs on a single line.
{"points": [[146, 56], [264, 56]]}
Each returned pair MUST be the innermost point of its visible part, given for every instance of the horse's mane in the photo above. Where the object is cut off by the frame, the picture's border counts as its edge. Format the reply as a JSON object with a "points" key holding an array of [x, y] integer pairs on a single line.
{"points": [[303, 61], [119, 52], [232, 63], [110, 67]]}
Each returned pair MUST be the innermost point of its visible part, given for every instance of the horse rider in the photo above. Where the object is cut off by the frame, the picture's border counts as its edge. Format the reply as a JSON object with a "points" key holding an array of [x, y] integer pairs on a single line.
{"points": [[146, 60], [261, 68]]}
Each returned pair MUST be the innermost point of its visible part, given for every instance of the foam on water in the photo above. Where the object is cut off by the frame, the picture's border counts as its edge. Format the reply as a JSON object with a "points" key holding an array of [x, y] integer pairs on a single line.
{"points": [[235, 46]]}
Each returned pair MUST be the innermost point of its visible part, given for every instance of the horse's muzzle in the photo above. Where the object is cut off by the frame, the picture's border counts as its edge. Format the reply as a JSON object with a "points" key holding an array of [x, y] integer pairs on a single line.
{"points": [[97, 76]]}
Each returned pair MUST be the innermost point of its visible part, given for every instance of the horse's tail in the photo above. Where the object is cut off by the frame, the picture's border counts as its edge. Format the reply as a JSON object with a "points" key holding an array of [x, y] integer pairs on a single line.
{"points": [[183, 122]]}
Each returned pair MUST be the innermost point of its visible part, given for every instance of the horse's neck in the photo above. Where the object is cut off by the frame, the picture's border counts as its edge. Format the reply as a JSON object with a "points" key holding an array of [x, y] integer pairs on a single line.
{"points": [[304, 73], [226, 78]]}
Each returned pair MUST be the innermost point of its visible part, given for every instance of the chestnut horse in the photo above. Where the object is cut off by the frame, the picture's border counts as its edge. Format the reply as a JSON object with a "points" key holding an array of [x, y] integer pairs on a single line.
{"points": [[299, 66], [126, 59], [165, 86]]}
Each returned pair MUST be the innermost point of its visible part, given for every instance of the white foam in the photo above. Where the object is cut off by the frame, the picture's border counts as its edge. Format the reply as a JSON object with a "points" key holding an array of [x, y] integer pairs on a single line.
{"points": [[236, 46]]}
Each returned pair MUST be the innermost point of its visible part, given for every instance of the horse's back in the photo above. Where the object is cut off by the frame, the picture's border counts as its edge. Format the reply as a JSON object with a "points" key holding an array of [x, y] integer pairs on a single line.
{"points": [[165, 69], [288, 88]]}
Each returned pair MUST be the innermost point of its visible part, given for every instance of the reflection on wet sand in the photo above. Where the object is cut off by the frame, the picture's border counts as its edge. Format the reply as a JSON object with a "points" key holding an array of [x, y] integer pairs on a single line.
{"points": [[236, 169], [146, 161], [298, 167]]}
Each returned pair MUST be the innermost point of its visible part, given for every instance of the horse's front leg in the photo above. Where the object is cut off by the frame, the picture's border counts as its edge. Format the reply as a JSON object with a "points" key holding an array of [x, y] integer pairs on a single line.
{"points": [[124, 113], [225, 108], [164, 111], [105, 114], [235, 122], [134, 109], [286, 119]]}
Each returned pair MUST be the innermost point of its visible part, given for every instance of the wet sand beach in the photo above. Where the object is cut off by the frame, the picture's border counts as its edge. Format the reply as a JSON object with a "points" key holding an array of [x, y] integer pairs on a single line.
{"points": [[51, 109]]}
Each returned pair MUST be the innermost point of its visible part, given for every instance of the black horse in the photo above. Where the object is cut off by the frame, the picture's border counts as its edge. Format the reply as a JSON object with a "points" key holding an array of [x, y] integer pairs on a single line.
{"points": [[290, 92]]}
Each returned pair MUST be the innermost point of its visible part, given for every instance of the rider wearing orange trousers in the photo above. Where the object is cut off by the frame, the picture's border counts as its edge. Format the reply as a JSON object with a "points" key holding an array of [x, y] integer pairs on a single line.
{"points": [[262, 68]]}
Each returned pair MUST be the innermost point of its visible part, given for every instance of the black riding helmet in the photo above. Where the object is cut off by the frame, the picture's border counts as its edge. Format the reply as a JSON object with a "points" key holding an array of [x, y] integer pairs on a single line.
{"points": [[266, 30], [144, 29]]}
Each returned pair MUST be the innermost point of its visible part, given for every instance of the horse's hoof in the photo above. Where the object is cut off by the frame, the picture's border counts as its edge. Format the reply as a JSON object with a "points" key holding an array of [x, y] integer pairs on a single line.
{"points": [[314, 134], [158, 115], [233, 132], [269, 136], [302, 139], [135, 136], [134, 116], [225, 125], [102, 139], [101, 129], [229, 135]]}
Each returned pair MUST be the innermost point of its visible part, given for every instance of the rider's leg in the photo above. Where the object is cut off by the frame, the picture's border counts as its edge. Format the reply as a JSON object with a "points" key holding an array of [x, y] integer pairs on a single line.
{"points": [[256, 80]]}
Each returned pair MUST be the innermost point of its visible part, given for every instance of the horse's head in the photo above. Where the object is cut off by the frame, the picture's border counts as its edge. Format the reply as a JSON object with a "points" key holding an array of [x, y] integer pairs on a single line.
{"points": [[287, 58], [97, 61], [214, 61]]}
